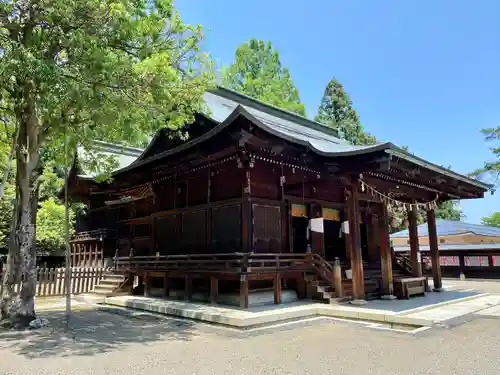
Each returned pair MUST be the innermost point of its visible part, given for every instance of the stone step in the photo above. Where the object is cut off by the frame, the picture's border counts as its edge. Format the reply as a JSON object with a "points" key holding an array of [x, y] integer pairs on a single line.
{"points": [[104, 289], [114, 281], [109, 274]]}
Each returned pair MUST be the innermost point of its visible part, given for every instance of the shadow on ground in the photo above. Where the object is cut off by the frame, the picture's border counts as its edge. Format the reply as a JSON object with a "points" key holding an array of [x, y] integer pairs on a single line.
{"points": [[95, 331]]}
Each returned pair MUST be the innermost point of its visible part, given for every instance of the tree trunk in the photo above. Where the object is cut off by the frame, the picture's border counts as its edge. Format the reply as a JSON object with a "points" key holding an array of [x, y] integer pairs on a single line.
{"points": [[12, 272], [20, 310]]}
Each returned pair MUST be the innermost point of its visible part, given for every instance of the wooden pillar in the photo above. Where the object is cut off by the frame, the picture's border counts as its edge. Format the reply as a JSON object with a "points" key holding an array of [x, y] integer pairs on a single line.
{"points": [[301, 287], [358, 282], [214, 289], [79, 255], [95, 256], [244, 291], [372, 237], [416, 259], [434, 247], [385, 252], [147, 284], [166, 285], [188, 287], [153, 250], [74, 248], [247, 211], [337, 278], [317, 231], [277, 289], [347, 239]]}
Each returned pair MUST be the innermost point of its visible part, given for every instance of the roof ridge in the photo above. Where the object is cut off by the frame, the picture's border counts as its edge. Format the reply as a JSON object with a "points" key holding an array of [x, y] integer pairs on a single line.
{"points": [[116, 148], [276, 111]]}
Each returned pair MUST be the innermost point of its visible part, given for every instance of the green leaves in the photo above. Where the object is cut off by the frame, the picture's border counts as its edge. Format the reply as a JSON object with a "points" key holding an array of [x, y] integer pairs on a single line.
{"points": [[490, 169], [493, 220], [258, 73], [50, 224], [85, 70], [113, 70], [449, 210], [336, 111]]}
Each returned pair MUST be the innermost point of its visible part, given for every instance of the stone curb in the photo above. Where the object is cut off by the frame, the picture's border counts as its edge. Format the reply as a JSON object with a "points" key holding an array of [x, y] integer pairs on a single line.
{"points": [[246, 320]]}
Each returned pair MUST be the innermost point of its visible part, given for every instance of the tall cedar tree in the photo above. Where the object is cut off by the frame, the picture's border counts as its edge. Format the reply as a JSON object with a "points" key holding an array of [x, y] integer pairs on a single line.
{"points": [[336, 111], [258, 73], [113, 70]]}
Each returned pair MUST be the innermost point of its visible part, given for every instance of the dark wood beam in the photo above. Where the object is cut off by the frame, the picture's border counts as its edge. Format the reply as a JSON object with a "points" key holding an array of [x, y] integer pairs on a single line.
{"points": [[434, 248], [385, 251], [354, 237], [416, 262]]}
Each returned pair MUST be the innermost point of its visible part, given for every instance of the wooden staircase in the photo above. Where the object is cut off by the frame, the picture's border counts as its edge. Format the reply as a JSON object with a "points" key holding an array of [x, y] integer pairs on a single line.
{"points": [[320, 287], [321, 290], [112, 284], [402, 263]]}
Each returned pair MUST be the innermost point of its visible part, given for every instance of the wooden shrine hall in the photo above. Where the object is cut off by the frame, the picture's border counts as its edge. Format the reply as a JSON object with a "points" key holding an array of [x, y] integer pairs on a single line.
{"points": [[260, 199]]}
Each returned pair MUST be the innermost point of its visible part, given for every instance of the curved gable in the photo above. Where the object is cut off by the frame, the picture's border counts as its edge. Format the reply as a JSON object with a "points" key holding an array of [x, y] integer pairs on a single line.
{"points": [[163, 141]]}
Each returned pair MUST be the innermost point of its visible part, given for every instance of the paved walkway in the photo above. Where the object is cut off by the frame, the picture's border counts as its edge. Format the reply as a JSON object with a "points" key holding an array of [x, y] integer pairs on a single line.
{"points": [[455, 310], [102, 343], [58, 304]]}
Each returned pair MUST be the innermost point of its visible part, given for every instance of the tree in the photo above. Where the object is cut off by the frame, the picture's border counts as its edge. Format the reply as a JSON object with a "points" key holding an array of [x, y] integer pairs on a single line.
{"points": [[336, 111], [50, 220], [113, 70], [449, 210], [492, 221], [490, 169], [258, 73]]}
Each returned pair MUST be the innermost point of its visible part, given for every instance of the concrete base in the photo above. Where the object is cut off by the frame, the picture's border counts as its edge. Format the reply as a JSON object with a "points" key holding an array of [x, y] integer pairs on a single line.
{"points": [[258, 298], [265, 315], [358, 302], [389, 297]]}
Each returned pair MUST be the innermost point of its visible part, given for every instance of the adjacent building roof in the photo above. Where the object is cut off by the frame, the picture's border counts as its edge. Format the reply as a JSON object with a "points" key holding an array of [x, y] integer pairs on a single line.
{"points": [[450, 228], [123, 156]]}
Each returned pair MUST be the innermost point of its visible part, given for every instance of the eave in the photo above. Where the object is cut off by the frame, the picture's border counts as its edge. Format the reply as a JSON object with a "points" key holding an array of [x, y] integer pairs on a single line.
{"points": [[325, 148]]}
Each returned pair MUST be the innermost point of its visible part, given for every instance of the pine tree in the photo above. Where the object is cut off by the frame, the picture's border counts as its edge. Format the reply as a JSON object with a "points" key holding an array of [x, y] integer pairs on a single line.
{"points": [[336, 111]]}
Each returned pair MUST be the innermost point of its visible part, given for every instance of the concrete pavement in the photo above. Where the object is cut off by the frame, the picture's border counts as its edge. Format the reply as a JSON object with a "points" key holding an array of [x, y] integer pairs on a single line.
{"points": [[104, 343]]}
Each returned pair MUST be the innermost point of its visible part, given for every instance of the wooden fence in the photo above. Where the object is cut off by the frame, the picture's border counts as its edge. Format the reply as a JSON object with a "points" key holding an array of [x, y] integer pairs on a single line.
{"points": [[51, 281]]}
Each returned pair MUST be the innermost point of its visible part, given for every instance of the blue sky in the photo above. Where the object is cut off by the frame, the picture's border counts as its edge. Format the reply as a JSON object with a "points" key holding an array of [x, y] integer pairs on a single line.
{"points": [[425, 74]]}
